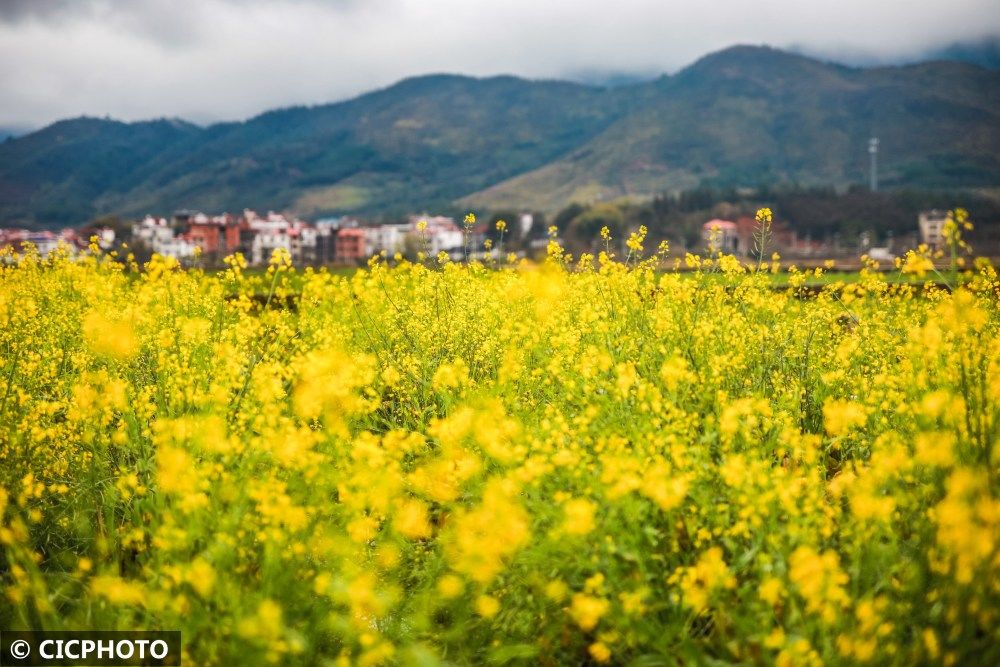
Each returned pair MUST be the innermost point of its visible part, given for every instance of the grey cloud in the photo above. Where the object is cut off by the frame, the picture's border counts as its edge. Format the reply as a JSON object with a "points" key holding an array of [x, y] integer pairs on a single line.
{"points": [[168, 23], [228, 59], [14, 11], [164, 22]]}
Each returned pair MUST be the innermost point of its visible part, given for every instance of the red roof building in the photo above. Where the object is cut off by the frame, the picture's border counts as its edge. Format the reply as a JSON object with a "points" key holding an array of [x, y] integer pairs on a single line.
{"points": [[350, 246]]}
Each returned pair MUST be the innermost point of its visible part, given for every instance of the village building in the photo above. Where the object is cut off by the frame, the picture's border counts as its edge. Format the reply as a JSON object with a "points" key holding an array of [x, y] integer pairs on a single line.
{"points": [[390, 238], [150, 230], [931, 225], [721, 236], [44, 242], [177, 247], [351, 246], [525, 222], [189, 235], [441, 234], [217, 236]]}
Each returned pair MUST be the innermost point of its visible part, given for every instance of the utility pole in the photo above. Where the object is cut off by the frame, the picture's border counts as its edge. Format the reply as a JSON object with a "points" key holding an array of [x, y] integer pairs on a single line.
{"points": [[873, 152]]}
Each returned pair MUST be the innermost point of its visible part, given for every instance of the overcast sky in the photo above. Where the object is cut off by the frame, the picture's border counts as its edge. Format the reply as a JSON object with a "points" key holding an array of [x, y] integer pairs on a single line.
{"points": [[211, 60]]}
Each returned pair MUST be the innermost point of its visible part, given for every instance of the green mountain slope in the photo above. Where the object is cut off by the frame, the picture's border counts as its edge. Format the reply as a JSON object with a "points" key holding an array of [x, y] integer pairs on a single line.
{"points": [[743, 116], [424, 141], [58, 175], [749, 116]]}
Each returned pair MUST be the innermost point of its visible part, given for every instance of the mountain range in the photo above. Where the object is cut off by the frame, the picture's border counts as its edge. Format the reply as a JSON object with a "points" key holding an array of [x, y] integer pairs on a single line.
{"points": [[742, 116]]}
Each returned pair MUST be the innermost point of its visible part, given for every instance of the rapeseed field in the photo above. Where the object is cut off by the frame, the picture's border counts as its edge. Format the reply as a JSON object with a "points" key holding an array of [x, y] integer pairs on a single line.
{"points": [[585, 460]]}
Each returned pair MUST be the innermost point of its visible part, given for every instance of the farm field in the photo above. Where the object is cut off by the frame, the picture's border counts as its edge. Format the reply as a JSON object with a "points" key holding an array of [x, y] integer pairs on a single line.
{"points": [[788, 274], [574, 462]]}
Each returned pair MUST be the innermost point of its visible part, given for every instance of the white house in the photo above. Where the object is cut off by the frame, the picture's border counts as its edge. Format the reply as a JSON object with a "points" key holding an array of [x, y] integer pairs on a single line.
{"points": [[176, 247], [390, 238], [45, 242], [150, 230], [158, 235], [931, 225], [442, 234], [266, 241], [525, 222]]}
